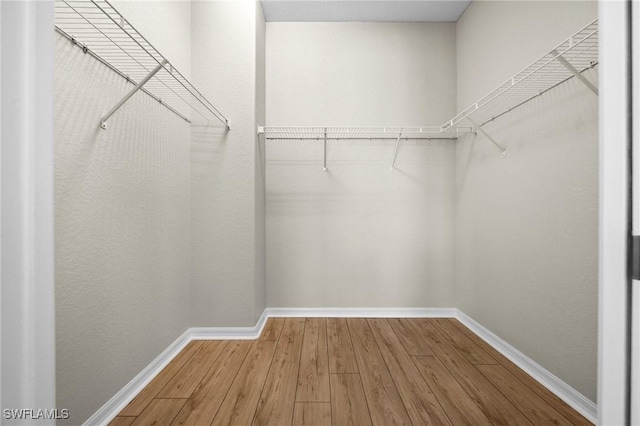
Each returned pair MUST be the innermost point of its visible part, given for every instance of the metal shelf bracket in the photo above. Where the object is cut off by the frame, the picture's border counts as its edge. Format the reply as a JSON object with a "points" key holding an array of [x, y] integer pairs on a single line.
{"points": [[575, 72], [477, 128], [569, 59], [395, 151], [102, 32], [324, 163], [103, 122]]}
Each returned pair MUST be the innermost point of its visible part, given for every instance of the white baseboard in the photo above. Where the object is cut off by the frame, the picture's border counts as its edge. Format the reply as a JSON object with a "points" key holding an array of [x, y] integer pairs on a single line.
{"points": [[120, 400], [363, 312], [229, 333], [572, 397], [565, 392]]}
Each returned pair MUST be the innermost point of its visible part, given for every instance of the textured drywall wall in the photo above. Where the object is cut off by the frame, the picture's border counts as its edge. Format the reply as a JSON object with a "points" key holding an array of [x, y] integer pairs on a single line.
{"points": [[260, 198], [122, 231], [360, 234], [527, 225], [226, 277]]}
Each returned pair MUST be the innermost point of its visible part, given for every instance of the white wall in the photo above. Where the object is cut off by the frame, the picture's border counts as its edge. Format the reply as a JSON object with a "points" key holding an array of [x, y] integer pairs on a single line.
{"points": [[527, 225], [360, 234], [227, 252], [123, 229]]}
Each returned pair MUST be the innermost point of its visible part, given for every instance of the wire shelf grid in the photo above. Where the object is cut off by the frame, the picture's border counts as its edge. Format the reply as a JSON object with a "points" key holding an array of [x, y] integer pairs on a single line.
{"points": [[580, 52], [360, 133], [98, 28]]}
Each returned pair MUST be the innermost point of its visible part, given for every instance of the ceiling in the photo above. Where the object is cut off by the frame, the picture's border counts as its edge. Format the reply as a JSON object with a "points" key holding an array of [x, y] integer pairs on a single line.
{"points": [[363, 10]]}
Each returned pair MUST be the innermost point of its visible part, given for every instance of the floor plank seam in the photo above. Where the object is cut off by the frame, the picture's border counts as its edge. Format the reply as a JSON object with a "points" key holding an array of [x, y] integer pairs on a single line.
{"points": [[235, 376], [432, 391], [170, 378], [295, 394]]}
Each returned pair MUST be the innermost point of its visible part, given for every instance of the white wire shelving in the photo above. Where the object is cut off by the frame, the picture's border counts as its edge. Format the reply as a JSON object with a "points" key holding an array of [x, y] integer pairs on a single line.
{"points": [[359, 133], [326, 133], [569, 59], [100, 30]]}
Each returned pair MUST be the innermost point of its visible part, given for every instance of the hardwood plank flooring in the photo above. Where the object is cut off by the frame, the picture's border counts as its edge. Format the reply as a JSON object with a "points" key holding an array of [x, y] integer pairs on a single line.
{"points": [[421, 404], [203, 405], [337, 371], [458, 405], [348, 403], [159, 412], [190, 375], [135, 407], [241, 401], [342, 358], [413, 343], [121, 421], [313, 377], [385, 404], [549, 397], [466, 347], [492, 403], [272, 329], [312, 414], [278, 396], [522, 397]]}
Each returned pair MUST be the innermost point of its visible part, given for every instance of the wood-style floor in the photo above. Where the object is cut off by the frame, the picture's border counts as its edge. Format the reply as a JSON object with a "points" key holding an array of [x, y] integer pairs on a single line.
{"points": [[338, 371]]}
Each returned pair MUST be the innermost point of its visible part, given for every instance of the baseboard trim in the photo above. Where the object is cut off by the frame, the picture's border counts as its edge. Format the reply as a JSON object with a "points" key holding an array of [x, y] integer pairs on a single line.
{"points": [[565, 392], [108, 411], [230, 333], [363, 312], [562, 390]]}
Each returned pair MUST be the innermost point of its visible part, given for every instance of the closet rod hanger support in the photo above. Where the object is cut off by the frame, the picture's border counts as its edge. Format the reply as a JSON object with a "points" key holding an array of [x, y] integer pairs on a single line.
{"points": [[478, 128], [103, 122], [575, 72], [395, 151], [324, 167]]}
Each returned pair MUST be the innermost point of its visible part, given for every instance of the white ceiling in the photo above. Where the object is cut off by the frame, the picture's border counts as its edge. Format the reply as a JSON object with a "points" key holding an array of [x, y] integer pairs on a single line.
{"points": [[363, 10]]}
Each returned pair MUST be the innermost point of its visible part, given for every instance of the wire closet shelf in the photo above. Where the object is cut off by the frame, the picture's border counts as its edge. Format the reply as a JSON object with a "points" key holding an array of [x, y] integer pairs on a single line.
{"points": [[360, 133], [569, 59], [100, 30]]}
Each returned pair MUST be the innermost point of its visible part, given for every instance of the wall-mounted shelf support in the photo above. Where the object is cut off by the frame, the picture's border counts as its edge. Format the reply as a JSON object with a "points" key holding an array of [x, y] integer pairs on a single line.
{"points": [[575, 72], [103, 122], [395, 151], [502, 149], [344, 133], [571, 58], [324, 163], [104, 33]]}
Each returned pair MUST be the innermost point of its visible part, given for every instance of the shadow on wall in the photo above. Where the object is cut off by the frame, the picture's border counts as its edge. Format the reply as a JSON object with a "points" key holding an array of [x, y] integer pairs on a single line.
{"points": [[208, 143], [521, 132]]}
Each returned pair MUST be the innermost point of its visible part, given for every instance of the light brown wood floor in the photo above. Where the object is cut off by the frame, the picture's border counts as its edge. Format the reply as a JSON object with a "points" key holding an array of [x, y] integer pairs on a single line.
{"points": [[337, 371]]}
